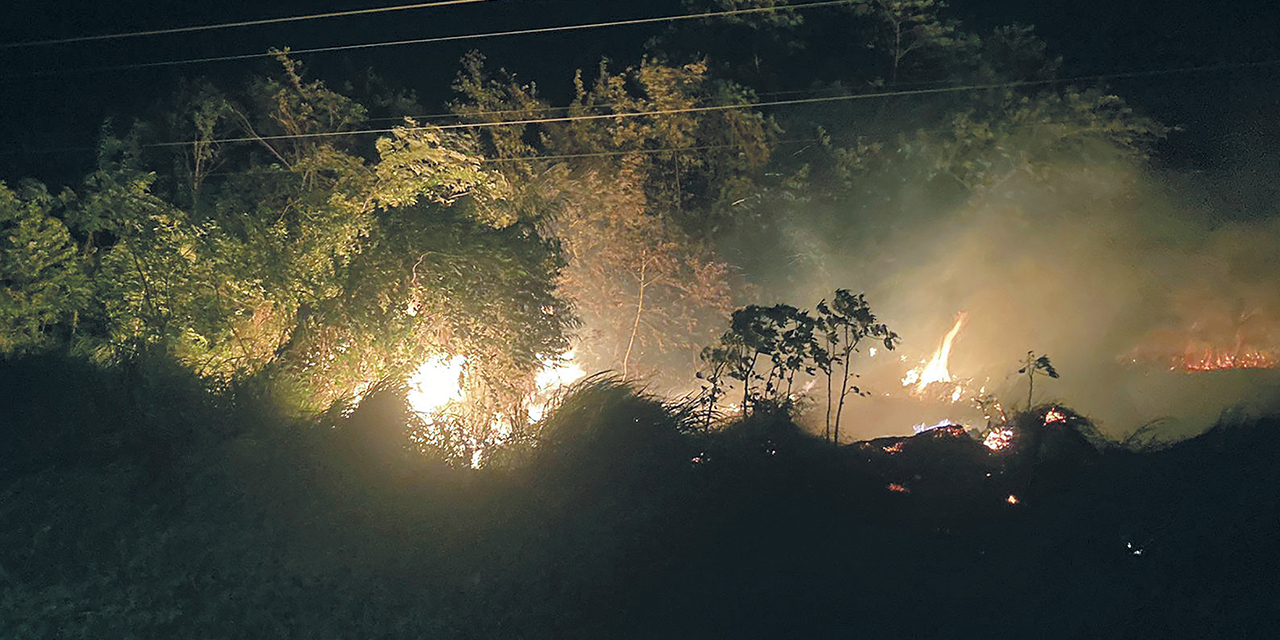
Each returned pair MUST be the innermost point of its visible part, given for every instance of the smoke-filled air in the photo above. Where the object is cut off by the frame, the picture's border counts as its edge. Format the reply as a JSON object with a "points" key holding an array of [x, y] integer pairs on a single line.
{"points": [[1155, 296], [671, 319]]}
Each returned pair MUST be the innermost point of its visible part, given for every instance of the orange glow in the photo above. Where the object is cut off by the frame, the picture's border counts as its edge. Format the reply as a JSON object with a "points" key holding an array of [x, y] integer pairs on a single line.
{"points": [[998, 439], [894, 448], [897, 488], [1054, 415], [935, 370], [1012, 499], [1206, 358]]}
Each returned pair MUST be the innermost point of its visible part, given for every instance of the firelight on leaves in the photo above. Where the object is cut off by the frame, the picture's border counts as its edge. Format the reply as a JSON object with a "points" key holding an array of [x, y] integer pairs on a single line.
{"points": [[555, 373], [436, 383]]}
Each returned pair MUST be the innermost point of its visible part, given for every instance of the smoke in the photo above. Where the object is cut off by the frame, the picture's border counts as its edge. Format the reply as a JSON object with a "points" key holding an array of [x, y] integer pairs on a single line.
{"points": [[1114, 270]]}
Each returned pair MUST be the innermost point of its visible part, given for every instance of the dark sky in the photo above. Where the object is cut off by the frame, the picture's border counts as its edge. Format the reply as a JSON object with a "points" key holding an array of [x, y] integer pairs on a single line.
{"points": [[1224, 112]]}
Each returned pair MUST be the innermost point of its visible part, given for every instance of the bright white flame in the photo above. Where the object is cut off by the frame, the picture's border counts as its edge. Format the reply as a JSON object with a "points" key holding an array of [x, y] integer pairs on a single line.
{"points": [[436, 383], [923, 427], [558, 371], [936, 369]]}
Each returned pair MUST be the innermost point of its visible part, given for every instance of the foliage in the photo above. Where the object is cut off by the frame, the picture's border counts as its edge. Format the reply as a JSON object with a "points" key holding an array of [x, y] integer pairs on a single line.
{"points": [[845, 323], [632, 210], [910, 32], [1036, 365], [788, 342], [42, 281]]}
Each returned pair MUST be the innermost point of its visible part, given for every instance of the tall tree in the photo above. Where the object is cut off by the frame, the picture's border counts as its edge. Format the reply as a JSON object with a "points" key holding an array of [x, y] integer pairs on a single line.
{"points": [[42, 282]]}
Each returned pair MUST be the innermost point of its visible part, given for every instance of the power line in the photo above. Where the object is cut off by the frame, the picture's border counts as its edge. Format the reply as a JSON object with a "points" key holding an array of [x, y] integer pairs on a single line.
{"points": [[233, 25], [750, 105], [438, 39], [772, 103]]}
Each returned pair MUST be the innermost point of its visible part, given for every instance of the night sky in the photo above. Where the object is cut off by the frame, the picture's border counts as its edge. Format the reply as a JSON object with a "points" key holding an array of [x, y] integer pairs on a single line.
{"points": [[48, 123]]}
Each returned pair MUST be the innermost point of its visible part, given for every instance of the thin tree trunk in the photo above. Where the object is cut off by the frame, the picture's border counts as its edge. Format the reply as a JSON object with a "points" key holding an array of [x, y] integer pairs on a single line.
{"points": [[635, 325]]}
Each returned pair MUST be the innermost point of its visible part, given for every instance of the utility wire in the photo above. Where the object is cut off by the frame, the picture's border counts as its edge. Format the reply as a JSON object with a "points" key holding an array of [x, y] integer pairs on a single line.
{"points": [[749, 105], [437, 39], [796, 101], [233, 25]]}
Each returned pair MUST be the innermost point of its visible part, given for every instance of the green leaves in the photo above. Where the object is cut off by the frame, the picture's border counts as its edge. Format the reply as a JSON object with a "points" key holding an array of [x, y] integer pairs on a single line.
{"points": [[42, 283]]}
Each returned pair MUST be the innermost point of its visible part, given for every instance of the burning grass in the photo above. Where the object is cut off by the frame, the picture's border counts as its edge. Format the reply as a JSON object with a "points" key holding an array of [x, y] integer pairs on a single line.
{"points": [[626, 517]]}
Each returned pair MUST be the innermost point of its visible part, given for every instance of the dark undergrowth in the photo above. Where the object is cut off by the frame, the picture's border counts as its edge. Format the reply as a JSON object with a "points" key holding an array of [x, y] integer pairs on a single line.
{"points": [[137, 503]]}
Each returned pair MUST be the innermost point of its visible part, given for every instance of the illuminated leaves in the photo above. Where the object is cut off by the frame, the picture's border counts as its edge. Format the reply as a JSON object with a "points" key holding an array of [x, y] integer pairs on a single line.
{"points": [[422, 162], [41, 281]]}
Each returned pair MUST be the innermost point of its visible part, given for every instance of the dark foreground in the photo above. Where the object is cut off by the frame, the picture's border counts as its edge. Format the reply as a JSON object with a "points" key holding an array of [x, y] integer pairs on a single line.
{"points": [[152, 515]]}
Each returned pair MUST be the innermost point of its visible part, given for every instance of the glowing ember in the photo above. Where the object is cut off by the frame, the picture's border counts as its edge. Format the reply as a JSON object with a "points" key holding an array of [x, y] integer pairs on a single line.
{"points": [[936, 369], [897, 488], [1012, 499], [1054, 415], [1210, 359], [998, 439], [893, 448], [436, 383]]}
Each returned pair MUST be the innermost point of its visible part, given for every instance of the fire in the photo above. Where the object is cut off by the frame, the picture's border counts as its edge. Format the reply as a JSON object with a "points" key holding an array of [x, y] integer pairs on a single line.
{"points": [[897, 488], [998, 439], [1012, 499], [1209, 359], [1054, 415], [935, 370], [436, 383], [438, 386], [556, 372], [1208, 345]]}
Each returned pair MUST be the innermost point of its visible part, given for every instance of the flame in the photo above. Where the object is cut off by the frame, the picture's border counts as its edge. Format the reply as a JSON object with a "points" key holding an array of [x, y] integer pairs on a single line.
{"points": [[1206, 346], [1206, 358], [1054, 415], [556, 372], [897, 488], [436, 383], [998, 439], [936, 369], [1012, 499]]}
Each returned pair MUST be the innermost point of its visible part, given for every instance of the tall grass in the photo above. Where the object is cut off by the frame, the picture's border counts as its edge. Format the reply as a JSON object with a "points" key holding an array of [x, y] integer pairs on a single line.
{"points": [[142, 503]]}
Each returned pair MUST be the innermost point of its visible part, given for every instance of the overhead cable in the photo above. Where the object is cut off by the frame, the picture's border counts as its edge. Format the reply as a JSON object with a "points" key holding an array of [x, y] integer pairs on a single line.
{"points": [[729, 107], [233, 25], [438, 39]]}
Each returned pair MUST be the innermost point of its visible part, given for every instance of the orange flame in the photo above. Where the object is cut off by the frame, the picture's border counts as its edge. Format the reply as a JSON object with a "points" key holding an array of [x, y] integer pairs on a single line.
{"points": [[1207, 358], [936, 369]]}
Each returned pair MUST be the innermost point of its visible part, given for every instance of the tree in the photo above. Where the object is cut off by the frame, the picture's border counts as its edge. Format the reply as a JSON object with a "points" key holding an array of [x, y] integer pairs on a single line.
{"points": [[1032, 366], [844, 325], [630, 207], [42, 282], [319, 261], [791, 342]]}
